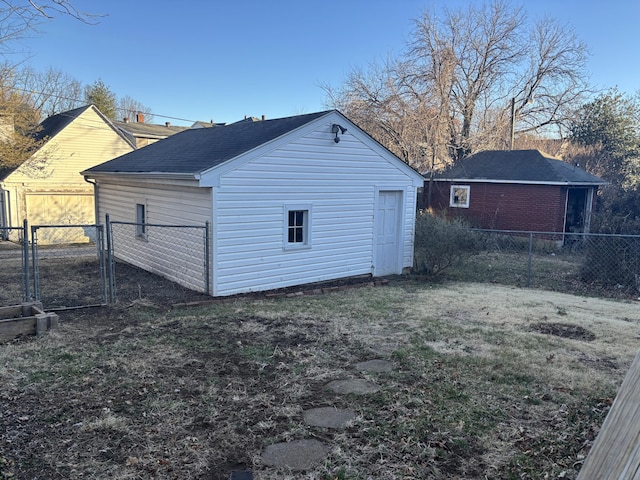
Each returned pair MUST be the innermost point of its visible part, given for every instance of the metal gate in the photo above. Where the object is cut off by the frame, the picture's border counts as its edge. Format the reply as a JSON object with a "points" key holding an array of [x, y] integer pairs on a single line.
{"points": [[14, 266], [69, 274]]}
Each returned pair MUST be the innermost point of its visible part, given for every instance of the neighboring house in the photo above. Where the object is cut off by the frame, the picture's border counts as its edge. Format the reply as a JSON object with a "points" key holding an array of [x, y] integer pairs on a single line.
{"points": [[200, 124], [290, 201], [48, 188], [523, 190], [142, 134]]}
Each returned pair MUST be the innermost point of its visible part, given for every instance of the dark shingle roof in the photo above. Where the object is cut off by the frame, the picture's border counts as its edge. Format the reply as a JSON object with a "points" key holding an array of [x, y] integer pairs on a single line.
{"points": [[521, 166], [196, 150], [54, 124], [150, 130]]}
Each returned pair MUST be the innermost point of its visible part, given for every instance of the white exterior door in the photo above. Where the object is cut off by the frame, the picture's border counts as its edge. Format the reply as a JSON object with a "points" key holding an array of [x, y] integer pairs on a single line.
{"points": [[388, 245]]}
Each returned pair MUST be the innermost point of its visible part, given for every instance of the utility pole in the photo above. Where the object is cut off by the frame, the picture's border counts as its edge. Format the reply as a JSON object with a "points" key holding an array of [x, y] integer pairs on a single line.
{"points": [[513, 121]]}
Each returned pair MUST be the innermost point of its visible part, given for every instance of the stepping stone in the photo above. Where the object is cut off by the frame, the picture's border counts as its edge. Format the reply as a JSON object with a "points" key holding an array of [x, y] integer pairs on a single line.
{"points": [[328, 417], [355, 385], [241, 475], [375, 366], [298, 455]]}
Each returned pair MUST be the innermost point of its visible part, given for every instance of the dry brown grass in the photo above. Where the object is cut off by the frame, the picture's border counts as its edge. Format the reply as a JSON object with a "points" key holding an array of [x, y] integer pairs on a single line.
{"points": [[477, 391]]}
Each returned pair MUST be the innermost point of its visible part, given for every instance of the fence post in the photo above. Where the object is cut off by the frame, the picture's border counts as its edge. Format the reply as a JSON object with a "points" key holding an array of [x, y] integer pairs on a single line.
{"points": [[34, 253], [529, 259], [207, 252], [101, 258], [25, 261], [110, 267]]}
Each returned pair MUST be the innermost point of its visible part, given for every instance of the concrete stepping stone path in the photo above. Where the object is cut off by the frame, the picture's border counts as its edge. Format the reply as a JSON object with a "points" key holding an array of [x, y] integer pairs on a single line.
{"points": [[305, 454], [328, 417], [375, 366], [356, 386], [298, 455]]}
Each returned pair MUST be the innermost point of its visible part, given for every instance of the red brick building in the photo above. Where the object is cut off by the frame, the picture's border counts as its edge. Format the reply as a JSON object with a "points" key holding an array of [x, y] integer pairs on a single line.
{"points": [[524, 190]]}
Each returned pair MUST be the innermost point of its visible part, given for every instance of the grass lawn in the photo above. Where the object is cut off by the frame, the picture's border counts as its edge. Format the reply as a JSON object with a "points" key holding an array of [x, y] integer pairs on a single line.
{"points": [[488, 381]]}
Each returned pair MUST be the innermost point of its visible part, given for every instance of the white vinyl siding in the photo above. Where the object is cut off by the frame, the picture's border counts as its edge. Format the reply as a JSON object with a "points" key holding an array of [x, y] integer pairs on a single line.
{"points": [[248, 200], [174, 253], [339, 180]]}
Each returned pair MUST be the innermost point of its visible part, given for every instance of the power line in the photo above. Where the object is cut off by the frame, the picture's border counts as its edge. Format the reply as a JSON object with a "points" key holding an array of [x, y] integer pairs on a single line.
{"points": [[82, 102]]}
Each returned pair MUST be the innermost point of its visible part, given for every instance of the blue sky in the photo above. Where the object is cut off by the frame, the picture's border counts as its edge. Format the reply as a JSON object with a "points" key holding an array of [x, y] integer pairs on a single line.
{"points": [[221, 60]]}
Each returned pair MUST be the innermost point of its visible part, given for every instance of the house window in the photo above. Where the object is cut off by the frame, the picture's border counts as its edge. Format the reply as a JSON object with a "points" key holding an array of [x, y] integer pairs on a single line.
{"points": [[459, 196], [141, 220], [297, 233]]}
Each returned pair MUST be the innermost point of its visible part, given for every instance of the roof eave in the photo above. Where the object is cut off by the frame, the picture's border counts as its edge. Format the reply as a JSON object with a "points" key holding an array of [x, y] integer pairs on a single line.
{"points": [[520, 182], [146, 175]]}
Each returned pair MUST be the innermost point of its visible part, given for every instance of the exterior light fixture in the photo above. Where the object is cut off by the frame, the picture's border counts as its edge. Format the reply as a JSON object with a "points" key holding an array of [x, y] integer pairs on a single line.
{"points": [[335, 128]]}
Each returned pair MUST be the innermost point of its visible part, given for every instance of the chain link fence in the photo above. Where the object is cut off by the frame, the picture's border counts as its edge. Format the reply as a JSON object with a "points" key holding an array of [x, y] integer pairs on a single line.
{"points": [[179, 253], [594, 264], [126, 262], [69, 268], [14, 266]]}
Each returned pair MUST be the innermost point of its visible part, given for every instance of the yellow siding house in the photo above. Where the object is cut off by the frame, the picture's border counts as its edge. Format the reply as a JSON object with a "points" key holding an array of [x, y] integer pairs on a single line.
{"points": [[48, 189]]}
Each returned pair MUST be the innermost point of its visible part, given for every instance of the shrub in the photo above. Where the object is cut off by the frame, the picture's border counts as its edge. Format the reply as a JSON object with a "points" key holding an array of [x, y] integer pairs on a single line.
{"points": [[611, 260], [441, 243]]}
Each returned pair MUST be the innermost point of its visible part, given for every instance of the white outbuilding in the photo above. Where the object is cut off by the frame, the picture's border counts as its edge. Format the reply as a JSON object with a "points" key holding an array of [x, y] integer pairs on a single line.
{"points": [[289, 201]]}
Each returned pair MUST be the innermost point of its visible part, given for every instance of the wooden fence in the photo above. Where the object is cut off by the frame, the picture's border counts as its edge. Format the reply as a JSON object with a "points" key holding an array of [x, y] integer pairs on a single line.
{"points": [[616, 452]]}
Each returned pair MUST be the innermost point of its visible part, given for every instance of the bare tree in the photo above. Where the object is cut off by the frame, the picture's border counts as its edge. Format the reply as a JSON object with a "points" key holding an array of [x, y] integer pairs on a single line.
{"points": [[129, 108], [387, 103], [20, 18], [467, 76], [51, 91]]}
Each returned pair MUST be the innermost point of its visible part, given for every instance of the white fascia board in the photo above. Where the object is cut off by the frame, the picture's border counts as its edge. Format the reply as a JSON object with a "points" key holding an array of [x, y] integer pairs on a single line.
{"points": [[517, 182], [144, 177]]}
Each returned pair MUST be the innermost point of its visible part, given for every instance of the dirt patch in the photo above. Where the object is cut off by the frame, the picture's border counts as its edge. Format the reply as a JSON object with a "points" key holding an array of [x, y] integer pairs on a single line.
{"points": [[564, 330], [142, 390]]}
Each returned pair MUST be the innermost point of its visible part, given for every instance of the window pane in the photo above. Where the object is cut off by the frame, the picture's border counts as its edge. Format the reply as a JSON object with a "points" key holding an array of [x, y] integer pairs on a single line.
{"points": [[140, 220], [296, 228], [460, 195]]}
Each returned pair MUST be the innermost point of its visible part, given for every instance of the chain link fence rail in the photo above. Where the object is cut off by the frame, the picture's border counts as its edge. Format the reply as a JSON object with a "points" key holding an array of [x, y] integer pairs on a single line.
{"points": [[179, 253], [601, 264], [15, 282], [69, 267]]}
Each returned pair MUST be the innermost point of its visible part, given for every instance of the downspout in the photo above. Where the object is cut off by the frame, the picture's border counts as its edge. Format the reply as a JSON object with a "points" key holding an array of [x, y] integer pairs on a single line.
{"points": [[95, 200]]}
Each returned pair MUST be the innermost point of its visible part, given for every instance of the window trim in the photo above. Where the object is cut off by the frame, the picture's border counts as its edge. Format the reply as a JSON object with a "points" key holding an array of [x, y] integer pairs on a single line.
{"points": [[452, 202], [306, 226], [141, 229]]}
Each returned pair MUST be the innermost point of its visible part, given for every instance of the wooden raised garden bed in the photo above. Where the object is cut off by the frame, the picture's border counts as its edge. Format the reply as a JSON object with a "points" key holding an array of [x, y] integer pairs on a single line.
{"points": [[25, 319]]}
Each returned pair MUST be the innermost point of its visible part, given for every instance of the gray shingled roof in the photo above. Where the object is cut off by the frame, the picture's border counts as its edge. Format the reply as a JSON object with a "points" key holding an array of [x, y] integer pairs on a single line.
{"points": [[196, 150], [54, 124], [518, 166], [150, 130]]}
